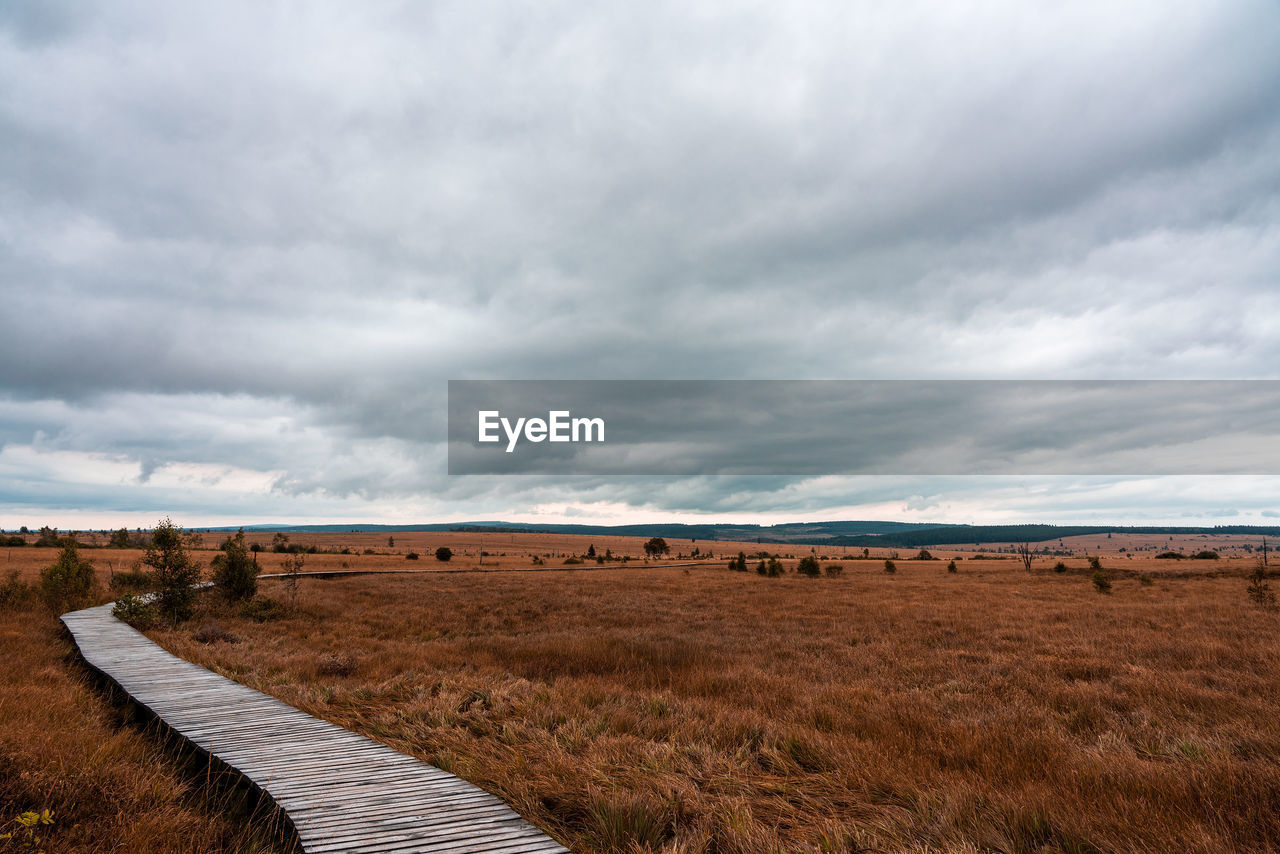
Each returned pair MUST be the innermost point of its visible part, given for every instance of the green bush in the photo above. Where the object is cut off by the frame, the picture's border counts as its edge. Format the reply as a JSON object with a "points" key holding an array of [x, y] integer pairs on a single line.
{"points": [[174, 572], [137, 611], [890, 566], [809, 566], [411, 556], [834, 569], [1095, 563], [951, 567], [1205, 555], [572, 561], [774, 568], [656, 547], [924, 554], [234, 572], [68, 583], [1059, 567], [1101, 582], [444, 554]]}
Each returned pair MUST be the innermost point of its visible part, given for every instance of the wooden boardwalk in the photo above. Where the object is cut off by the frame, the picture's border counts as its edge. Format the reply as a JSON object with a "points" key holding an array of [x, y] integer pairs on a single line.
{"points": [[341, 791]]}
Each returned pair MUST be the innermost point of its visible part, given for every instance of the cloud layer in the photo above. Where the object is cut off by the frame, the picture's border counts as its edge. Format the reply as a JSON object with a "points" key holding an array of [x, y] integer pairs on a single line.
{"points": [[244, 247]]}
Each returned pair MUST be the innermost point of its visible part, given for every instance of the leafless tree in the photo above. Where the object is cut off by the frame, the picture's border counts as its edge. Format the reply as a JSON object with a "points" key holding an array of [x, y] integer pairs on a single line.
{"points": [[1026, 553], [292, 567]]}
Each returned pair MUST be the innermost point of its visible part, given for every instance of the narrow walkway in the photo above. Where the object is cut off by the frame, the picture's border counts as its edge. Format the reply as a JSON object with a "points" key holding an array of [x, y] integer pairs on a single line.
{"points": [[342, 791]]}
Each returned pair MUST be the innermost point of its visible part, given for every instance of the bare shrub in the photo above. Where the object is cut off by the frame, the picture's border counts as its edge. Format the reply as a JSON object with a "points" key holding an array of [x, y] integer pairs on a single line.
{"points": [[1260, 589]]}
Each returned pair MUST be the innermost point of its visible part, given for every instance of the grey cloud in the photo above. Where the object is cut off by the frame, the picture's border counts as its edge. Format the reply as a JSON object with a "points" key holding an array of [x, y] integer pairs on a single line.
{"points": [[321, 214]]}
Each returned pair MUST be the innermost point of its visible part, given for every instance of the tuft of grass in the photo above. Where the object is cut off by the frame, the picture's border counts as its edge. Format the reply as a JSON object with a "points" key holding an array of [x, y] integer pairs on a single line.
{"points": [[212, 631], [336, 664], [262, 609]]}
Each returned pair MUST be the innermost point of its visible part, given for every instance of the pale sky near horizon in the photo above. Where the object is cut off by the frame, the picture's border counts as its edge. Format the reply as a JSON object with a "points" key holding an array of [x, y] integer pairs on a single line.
{"points": [[244, 246]]}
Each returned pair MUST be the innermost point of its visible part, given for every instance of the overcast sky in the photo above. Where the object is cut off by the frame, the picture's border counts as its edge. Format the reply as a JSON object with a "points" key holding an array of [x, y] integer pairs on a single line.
{"points": [[243, 246]]}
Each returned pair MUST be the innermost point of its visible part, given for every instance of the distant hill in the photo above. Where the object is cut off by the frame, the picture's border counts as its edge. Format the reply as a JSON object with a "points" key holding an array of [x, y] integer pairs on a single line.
{"points": [[847, 533]]}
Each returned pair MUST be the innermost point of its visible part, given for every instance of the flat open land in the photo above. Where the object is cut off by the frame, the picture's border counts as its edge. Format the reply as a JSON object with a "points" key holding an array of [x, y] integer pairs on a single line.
{"points": [[695, 709]]}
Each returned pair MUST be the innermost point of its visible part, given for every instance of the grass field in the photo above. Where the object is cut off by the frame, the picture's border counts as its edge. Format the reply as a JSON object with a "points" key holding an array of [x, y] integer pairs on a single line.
{"points": [[698, 709], [112, 787]]}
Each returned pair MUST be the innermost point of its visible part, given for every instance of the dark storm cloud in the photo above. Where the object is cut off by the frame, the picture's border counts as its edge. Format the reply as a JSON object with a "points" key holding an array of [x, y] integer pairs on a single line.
{"points": [[263, 237]]}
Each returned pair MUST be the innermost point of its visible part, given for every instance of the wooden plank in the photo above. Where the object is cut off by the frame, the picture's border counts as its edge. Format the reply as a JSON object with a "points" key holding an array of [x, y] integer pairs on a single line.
{"points": [[341, 791]]}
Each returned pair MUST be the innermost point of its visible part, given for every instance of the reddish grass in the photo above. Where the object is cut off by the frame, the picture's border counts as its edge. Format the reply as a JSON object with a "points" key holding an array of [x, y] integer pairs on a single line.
{"points": [[112, 787], [706, 710]]}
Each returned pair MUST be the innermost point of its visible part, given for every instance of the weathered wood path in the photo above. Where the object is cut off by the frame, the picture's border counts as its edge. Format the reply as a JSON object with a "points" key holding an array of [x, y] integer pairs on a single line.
{"points": [[342, 792]]}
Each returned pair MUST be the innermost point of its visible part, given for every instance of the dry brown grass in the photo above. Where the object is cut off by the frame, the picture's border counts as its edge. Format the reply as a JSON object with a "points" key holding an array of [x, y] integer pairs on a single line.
{"points": [[113, 787], [706, 710]]}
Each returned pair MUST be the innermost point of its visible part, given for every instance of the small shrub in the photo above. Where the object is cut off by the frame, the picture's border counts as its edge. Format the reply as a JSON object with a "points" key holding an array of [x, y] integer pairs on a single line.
{"points": [[1205, 556], [809, 566], [1170, 556], [234, 572], [137, 611], [1144, 580], [27, 833], [213, 632], [173, 570], [335, 664], [1101, 582], [263, 609], [890, 566], [834, 569], [951, 567], [924, 554], [1059, 567], [409, 556], [774, 568], [1095, 563], [1260, 590], [15, 594], [68, 582], [444, 554], [762, 568], [572, 561]]}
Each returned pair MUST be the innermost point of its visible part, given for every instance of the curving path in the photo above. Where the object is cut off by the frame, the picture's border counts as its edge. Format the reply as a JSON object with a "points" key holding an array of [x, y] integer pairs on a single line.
{"points": [[341, 791]]}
